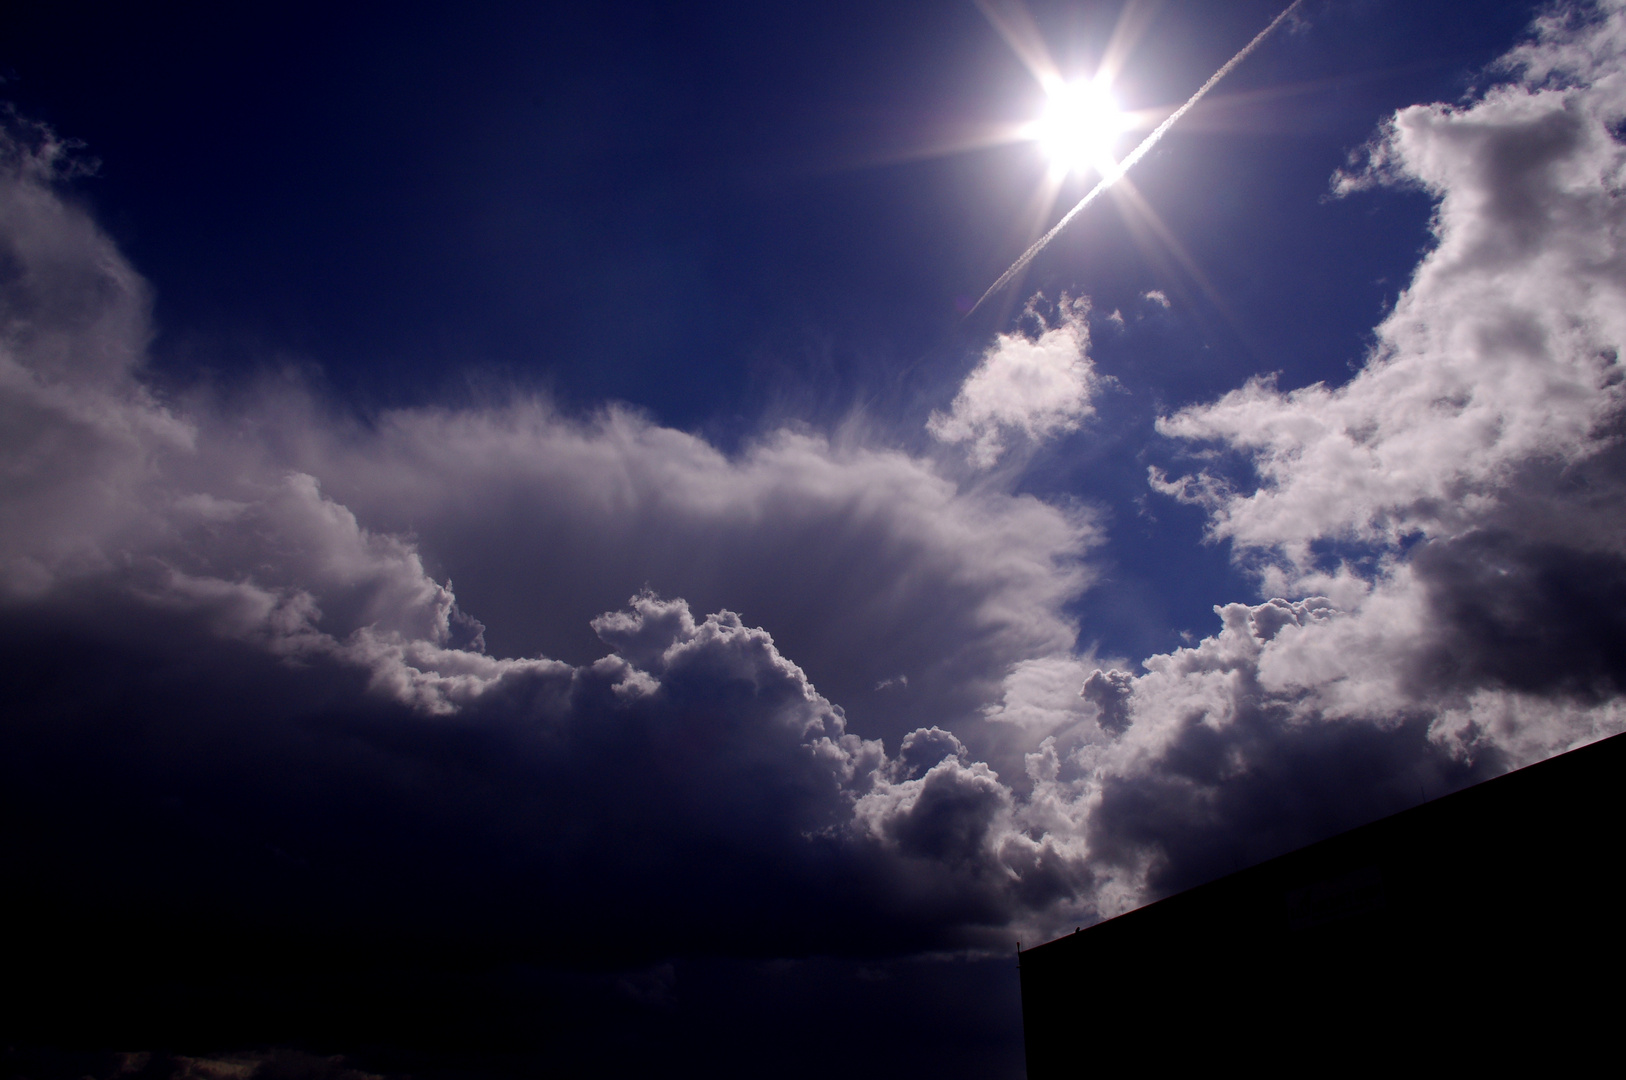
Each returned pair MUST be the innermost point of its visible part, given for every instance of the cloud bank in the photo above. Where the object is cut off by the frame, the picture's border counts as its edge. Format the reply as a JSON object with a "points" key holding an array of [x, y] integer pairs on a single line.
{"points": [[241, 571], [843, 709]]}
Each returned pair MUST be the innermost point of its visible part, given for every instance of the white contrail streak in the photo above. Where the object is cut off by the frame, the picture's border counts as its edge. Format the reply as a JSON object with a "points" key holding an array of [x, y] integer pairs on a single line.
{"points": [[1116, 173]]}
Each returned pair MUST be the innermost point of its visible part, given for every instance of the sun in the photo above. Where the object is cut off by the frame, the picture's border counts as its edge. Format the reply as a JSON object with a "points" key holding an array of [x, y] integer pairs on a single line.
{"points": [[1079, 127]]}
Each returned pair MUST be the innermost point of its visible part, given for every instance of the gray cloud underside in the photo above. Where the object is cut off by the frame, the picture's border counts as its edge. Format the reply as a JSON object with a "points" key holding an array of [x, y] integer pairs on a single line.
{"points": [[237, 649]]}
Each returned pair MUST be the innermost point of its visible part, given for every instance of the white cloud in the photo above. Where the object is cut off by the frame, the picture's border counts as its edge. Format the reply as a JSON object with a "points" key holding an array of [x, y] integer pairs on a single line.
{"points": [[79, 435], [1035, 388], [866, 563], [298, 563], [1504, 351], [1475, 456]]}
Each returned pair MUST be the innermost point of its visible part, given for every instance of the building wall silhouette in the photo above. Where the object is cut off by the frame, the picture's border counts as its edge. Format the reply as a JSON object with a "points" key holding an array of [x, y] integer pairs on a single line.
{"points": [[1484, 928]]}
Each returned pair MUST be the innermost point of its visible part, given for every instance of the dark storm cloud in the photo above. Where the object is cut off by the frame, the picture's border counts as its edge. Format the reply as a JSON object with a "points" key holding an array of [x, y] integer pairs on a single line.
{"points": [[693, 764], [1229, 766], [1109, 692], [1536, 618], [1217, 800], [239, 693]]}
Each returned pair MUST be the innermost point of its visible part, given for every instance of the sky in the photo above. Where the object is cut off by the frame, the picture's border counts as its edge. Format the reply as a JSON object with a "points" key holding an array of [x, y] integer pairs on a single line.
{"points": [[520, 500]]}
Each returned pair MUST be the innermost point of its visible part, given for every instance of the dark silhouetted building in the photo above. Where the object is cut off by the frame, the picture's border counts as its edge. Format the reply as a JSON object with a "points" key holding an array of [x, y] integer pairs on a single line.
{"points": [[1482, 928]]}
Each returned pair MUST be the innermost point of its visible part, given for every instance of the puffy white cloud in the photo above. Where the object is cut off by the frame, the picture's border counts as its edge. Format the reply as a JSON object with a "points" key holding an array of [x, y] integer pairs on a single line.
{"points": [[1503, 353], [1474, 462], [1032, 387], [1483, 429]]}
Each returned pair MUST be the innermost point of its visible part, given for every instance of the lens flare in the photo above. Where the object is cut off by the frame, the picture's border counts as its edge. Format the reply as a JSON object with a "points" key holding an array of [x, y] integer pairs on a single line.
{"points": [[1079, 127], [1113, 171]]}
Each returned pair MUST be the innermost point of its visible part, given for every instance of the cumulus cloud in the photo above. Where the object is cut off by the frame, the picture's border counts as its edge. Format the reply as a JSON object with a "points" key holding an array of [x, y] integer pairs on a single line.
{"points": [[1109, 691], [1487, 418], [228, 570], [1297, 721], [1457, 504], [1029, 387], [865, 723], [544, 521], [692, 761], [1502, 355]]}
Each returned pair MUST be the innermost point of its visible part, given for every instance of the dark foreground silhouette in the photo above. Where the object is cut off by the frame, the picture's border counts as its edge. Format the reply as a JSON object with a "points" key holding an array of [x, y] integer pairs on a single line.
{"points": [[1482, 927]]}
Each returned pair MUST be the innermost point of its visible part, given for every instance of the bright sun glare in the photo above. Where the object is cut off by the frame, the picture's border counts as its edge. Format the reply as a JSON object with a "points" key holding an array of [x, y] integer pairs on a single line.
{"points": [[1079, 126]]}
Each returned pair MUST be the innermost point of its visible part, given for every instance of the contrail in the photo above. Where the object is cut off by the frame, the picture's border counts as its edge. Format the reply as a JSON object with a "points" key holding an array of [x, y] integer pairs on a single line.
{"points": [[1116, 173]]}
